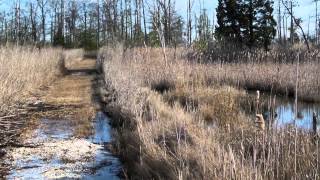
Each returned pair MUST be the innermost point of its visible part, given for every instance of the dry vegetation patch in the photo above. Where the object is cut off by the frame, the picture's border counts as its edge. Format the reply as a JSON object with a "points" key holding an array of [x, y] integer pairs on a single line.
{"points": [[178, 122], [72, 57], [274, 77], [26, 73], [25, 69]]}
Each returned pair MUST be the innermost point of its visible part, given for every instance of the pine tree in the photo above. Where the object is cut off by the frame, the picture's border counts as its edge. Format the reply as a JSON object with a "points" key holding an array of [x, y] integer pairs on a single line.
{"points": [[228, 18], [258, 23], [221, 14], [248, 22], [267, 24], [249, 25]]}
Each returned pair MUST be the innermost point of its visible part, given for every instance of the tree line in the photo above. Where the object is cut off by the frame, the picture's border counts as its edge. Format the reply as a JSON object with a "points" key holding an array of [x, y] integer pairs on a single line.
{"points": [[91, 24]]}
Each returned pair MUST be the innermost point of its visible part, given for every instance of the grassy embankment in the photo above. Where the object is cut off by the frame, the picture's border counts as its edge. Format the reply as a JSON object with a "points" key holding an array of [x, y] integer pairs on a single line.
{"points": [[24, 69], [174, 121]]}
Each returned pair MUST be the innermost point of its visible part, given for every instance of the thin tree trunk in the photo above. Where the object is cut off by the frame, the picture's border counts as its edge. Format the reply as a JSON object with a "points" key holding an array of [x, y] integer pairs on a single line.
{"points": [[144, 23], [42, 4], [299, 25], [98, 23]]}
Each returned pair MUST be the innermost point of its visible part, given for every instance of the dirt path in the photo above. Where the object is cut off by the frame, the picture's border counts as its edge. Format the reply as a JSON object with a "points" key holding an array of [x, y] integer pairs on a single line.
{"points": [[67, 135]]}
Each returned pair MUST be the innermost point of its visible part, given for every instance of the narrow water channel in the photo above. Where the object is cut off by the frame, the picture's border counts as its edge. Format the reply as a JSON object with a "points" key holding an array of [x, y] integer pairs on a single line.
{"points": [[106, 165], [61, 156]]}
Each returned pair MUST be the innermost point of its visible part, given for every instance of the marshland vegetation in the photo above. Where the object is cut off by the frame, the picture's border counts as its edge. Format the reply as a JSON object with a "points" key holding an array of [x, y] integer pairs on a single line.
{"points": [[179, 120], [24, 69], [274, 71], [177, 88]]}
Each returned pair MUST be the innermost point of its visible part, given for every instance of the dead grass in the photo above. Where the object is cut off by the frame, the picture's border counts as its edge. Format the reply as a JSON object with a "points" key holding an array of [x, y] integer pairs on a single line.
{"points": [[271, 77], [24, 69], [174, 122], [73, 56], [273, 71]]}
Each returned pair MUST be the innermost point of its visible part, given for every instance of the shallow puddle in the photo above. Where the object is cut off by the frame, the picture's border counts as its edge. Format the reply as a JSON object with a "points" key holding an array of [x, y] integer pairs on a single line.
{"points": [[53, 129], [60, 156], [285, 112]]}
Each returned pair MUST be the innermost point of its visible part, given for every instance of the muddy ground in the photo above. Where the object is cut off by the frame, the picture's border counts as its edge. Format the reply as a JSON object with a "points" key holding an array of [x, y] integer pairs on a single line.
{"points": [[65, 135]]}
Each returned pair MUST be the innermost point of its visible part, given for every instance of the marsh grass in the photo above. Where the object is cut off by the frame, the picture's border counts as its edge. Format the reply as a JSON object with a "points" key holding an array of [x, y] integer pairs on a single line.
{"points": [[269, 77], [273, 71], [72, 57], [193, 126], [24, 69]]}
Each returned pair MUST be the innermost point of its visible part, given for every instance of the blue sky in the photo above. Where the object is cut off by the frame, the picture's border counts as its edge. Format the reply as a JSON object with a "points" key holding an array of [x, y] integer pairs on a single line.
{"points": [[305, 9]]}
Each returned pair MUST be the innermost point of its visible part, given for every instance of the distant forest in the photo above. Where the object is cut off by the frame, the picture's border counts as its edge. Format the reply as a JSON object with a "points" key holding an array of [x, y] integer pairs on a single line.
{"points": [[92, 24]]}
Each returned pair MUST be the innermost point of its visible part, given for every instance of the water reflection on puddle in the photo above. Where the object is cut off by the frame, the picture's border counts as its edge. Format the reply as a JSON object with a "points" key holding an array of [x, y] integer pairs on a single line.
{"points": [[101, 126], [107, 166], [91, 161], [53, 129], [286, 114], [285, 111]]}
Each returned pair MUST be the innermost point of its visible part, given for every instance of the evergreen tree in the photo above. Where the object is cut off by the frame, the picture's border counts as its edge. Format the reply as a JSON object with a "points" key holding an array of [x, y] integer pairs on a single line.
{"points": [[266, 24], [228, 18], [248, 22], [258, 23]]}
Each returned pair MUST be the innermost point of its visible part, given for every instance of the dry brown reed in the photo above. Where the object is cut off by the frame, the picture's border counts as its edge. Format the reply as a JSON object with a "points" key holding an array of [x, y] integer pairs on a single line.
{"points": [[23, 69], [172, 122], [273, 71], [270, 77], [72, 56]]}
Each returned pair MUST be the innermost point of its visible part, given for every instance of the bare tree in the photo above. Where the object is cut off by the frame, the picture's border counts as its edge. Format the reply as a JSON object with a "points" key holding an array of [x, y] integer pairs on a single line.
{"points": [[33, 15], [98, 23], [42, 5], [17, 21], [279, 22], [316, 26], [144, 22], [189, 19], [298, 24]]}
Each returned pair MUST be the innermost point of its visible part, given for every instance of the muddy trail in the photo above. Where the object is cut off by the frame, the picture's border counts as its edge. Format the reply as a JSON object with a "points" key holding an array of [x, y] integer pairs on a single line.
{"points": [[66, 135]]}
